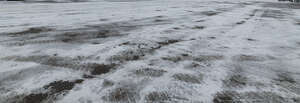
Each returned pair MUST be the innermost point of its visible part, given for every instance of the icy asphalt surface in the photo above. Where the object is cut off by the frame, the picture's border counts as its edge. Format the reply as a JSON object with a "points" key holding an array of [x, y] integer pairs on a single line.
{"points": [[150, 51]]}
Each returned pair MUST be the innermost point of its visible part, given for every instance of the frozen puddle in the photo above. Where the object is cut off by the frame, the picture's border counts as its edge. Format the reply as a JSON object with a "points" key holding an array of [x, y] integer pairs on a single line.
{"points": [[150, 51]]}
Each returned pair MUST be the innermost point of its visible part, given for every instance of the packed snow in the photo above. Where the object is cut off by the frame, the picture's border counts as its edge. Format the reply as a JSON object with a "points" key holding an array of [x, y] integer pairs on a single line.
{"points": [[149, 51]]}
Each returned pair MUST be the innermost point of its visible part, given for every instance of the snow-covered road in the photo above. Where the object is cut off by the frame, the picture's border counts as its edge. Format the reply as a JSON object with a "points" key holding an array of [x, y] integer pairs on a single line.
{"points": [[150, 51]]}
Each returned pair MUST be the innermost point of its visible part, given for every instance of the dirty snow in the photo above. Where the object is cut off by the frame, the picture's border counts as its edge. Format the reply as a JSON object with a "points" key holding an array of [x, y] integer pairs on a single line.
{"points": [[150, 51]]}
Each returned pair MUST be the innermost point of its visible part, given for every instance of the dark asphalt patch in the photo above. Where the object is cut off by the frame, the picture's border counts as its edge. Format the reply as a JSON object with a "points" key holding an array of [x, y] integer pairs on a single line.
{"points": [[241, 22], [150, 72], [249, 97], [210, 13], [284, 77], [236, 81], [61, 86], [244, 57], [198, 27], [123, 95], [99, 69], [55, 88], [157, 97], [283, 5], [188, 78], [32, 30]]}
